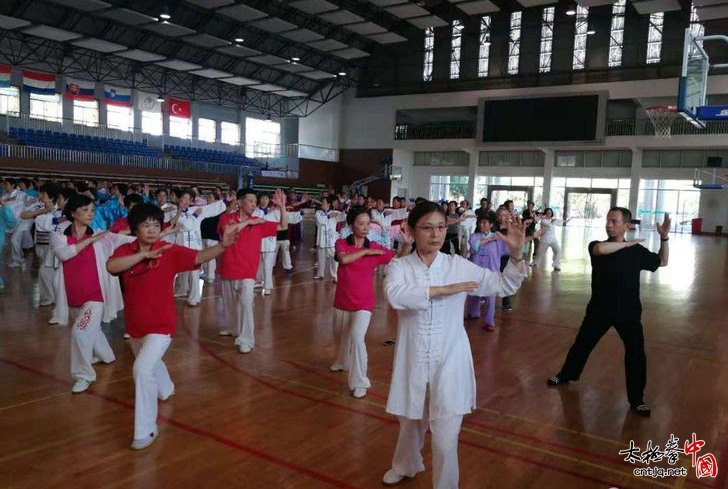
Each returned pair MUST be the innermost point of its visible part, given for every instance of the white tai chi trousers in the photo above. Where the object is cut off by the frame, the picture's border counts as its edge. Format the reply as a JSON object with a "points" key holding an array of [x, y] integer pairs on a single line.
{"points": [[543, 246], [188, 283], [151, 381], [209, 267], [284, 247], [237, 298], [17, 240], [407, 459], [88, 341], [326, 261], [265, 269], [352, 354], [46, 276]]}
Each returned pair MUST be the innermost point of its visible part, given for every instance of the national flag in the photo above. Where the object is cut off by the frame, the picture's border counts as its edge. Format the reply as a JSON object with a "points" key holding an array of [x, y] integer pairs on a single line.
{"points": [[180, 108], [117, 96], [80, 90], [39, 83], [148, 102], [5, 75]]}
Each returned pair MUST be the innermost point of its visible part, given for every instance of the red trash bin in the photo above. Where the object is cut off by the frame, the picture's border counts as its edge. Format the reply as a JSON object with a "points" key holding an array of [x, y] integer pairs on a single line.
{"points": [[697, 225]]}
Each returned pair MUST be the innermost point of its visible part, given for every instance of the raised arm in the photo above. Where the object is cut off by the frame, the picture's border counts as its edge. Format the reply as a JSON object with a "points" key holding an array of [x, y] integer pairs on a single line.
{"points": [[230, 234], [608, 247], [664, 232], [346, 258], [120, 264], [65, 251], [279, 199]]}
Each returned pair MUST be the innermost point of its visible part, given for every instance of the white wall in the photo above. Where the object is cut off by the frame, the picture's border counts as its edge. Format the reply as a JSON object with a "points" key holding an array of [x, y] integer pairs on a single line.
{"points": [[323, 127]]}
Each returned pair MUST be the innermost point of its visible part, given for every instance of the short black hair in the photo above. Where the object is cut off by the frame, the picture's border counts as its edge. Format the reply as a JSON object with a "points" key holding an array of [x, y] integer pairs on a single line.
{"points": [[122, 188], [241, 193], [51, 190], [12, 181], [354, 212], [25, 181], [142, 213], [66, 192], [626, 213], [422, 209], [132, 200], [486, 216], [74, 202], [159, 191]]}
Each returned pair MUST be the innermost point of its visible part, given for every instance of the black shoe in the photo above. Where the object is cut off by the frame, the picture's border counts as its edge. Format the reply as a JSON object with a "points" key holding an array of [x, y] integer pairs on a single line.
{"points": [[641, 410], [556, 381]]}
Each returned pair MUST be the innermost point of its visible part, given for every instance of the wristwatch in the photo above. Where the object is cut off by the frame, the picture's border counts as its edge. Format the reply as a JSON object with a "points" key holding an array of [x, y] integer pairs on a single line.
{"points": [[664, 239]]}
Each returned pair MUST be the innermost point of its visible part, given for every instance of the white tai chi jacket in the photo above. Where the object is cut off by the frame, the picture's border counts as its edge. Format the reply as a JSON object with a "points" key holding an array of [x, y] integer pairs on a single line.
{"points": [[547, 225], [268, 245], [326, 234], [432, 346], [110, 290], [190, 234]]}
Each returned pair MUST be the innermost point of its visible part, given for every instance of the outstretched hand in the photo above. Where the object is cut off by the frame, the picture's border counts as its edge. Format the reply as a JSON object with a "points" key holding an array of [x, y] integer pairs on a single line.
{"points": [[279, 198], [664, 228], [230, 234], [515, 238], [154, 254]]}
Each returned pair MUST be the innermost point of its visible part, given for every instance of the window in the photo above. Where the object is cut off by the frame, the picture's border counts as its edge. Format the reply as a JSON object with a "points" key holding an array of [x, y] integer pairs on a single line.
{"points": [[499, 196], [457, 34], [230, 133], [206, 129], [616, 39], [152, 122], [262, 138], [429, 49], [448, 187], [582, 26], [10, 101], [484, 52], [696, 29], [86, 112], [46, 107], [180, 127], [514, 44], [654, 38], [678, 197], [547, 39], [118, 117]]}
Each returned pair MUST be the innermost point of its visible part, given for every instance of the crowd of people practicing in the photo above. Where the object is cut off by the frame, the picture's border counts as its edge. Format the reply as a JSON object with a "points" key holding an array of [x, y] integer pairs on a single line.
{"points": [[102, 248]]}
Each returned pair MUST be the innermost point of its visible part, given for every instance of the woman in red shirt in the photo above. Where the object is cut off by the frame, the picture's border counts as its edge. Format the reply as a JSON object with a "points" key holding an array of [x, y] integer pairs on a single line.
{"points": [[354, 300]]}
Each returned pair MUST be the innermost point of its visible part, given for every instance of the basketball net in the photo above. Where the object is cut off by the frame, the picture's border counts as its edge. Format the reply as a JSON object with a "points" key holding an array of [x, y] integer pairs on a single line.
{"points": [[662, 117]]}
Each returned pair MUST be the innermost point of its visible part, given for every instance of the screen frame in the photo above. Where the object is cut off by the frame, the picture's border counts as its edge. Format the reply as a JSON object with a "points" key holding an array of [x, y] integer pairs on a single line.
{"points": [[603, 97]]}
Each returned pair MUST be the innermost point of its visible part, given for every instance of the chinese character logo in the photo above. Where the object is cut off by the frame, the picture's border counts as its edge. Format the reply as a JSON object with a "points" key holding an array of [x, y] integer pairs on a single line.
{"points": [[705, 465]]}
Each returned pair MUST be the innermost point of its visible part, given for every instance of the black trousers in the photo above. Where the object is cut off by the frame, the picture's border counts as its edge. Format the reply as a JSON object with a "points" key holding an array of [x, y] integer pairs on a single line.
{"points": [[635, 361], [451, 238]]}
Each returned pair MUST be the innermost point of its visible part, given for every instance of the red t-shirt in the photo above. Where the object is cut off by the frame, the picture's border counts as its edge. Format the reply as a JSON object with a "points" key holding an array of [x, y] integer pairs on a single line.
{"points": [[81, 277], [149, 288], [241, 260], [355, 287], [121, 224]]}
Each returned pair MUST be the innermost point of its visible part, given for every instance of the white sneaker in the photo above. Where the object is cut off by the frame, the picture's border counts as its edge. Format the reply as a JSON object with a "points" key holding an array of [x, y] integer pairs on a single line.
{"points": [[244, 349], [337, 367], [168, 397], [53, 320], [258, 285], [224, 332], [359, 393], [193, 304], [392, 478], [142, 443], [127, 336], [80, 385], [266, 292], [95, 360], [181, 294], [45, 303]]}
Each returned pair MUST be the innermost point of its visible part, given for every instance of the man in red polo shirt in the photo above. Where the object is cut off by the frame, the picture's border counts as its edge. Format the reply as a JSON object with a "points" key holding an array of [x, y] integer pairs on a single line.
{"points": [[238, 266], [147, 268]]}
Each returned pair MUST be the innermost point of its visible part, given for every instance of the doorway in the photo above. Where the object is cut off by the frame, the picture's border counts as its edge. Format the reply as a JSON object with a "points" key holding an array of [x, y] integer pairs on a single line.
{"points": [[498, 194], [588, 207]]}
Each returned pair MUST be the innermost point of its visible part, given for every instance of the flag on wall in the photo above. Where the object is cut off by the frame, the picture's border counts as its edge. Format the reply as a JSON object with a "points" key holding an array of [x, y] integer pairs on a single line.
{"points": [[180, 108], [117, 96], [80, 90], [40, 83], [148, 102], [5, 75]]}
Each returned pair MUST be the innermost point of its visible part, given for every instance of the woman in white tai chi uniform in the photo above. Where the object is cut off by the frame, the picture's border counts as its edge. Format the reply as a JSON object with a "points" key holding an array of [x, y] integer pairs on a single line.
{"points": [[433, 380]]}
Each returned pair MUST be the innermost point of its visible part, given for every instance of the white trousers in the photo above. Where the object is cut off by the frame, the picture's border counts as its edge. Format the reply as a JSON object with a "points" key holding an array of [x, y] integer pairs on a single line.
{"points": [[237, 298], [151, 381], [188, 283], [543, 246], [209, 267], [352, 354], [17, 238], [267, 262], [284, 248], [88, 341], [326, 261], [46, 276], [407, 459]]}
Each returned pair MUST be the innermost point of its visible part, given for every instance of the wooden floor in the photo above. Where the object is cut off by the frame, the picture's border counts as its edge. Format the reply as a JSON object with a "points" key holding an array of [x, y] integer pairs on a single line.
{"points": [[277, 418]]}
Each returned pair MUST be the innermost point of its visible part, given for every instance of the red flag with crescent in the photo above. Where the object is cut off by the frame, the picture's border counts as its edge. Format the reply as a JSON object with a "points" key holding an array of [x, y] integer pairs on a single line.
{"points": [[179, 108]]}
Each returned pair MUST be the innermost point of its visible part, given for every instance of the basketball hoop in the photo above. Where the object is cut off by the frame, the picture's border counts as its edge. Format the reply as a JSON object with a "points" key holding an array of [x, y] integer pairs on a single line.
{"points": [[662, 117]]}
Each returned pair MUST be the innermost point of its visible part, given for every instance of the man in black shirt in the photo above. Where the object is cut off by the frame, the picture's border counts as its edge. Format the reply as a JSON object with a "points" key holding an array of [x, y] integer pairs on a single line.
{"points": [[529, 218], [616, 266]]}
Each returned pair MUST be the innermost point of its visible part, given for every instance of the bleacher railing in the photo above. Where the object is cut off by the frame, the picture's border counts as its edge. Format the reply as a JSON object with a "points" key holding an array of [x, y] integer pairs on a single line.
{"points": [[680, 127], [450, 130], [88, 157]]}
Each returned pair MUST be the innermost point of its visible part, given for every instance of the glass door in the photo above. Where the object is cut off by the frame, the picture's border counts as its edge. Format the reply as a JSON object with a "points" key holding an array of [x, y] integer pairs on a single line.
{"points": [[498, 194], [588, 208]]}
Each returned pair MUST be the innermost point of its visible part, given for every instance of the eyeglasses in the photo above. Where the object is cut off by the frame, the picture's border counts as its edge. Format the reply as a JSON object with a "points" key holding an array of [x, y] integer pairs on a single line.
{"points": [[428, 228]]}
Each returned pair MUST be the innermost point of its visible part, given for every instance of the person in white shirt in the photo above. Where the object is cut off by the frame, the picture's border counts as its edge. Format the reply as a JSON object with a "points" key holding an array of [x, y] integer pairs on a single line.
{"points": [[433, 380], [189, 218], [18, 201], [326, 236], [548, 239]]}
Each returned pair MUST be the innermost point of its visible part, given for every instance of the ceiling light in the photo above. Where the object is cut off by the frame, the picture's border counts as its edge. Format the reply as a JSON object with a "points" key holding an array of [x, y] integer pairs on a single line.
{"points": [[239, 39], [342, 73], [571, 9], [165, 16], [591, 32], [295, 58]]}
